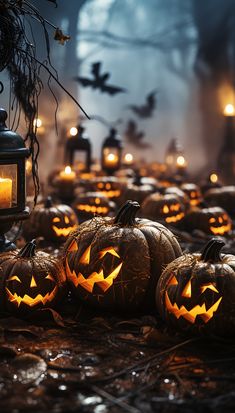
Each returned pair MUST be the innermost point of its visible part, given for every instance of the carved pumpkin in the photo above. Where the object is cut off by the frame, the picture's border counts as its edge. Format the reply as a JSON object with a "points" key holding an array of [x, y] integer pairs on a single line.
{"points": [[53, 222], [110, 187], [92, 203], [223, 197], [214, 221], [115, 262], [183, 197], [196, 291], [30, 279], [193, 192], [167, 208], [137, 190]]}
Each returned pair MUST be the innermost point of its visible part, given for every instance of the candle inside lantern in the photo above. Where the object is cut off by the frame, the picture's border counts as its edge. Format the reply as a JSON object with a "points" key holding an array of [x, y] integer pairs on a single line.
{"points": [[73, 131], [214, 178], [5, 192], [181, 162], [229, 110], [67, 174], [128, 159], [111, 160]]}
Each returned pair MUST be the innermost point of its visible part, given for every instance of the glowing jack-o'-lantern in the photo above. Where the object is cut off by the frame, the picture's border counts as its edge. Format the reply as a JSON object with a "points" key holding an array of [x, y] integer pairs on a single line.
{"points": [[102, 259], [53, 222], [214, 221], [92, 203], [30, 279], [195, 291], [110, 187], [223, 197], [194, 193], [163, 207]]}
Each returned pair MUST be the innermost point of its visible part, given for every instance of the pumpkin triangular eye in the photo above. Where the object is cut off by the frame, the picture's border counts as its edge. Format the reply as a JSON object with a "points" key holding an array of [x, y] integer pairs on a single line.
{"points": [[49, 277], [85, 258], [14, 278], [109, 250], [210, 287], [173, 281], [187, 291]]}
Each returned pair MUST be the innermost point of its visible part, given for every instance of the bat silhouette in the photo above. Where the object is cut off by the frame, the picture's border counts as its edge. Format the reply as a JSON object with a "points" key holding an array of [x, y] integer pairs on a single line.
{"points": [[146, 110], [135, 137], [99, 81]]}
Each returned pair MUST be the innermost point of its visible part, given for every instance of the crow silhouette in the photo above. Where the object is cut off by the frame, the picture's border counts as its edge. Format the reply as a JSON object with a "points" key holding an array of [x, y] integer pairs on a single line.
{"points": [[135, 137], [146, 110], [99, 81]]}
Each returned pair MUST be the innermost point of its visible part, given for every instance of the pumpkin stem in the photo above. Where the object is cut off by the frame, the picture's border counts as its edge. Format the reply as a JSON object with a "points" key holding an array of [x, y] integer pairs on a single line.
{"points": [[48, 202], [211, 251], [28, 251], [138, 180], [126, 214]]}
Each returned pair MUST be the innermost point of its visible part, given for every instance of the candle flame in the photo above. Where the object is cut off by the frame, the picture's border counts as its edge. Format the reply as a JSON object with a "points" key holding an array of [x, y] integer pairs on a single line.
{"points": [[37, 122], [181, 161], [73, 131], [214, 178], [68, 170], [128, 157], [111, 157], [229, 110]]}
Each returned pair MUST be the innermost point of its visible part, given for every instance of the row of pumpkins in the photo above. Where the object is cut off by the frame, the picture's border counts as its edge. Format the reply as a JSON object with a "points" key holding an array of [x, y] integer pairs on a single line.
{"points": [[126, 264], [181, 206]]}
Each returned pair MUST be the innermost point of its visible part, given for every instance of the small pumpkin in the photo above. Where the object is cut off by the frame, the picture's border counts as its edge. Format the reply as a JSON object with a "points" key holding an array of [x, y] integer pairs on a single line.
{"points": [[109, 186], [183, 197], [137, 190], [193, 192], [53, 222], [167, 208], [30, 279], [223, 197], [195, 292], [115, 263], [92, 203], [212, 221]]}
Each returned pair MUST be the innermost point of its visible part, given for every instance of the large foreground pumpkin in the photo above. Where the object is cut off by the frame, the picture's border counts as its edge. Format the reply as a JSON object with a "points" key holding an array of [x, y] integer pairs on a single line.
{"points": [[196, 292], [115, 263]]}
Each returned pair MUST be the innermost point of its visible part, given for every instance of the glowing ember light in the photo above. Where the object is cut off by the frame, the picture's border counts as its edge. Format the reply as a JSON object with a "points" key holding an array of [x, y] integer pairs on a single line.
{"points": [[214, 178], [181, 161], [73, 131], [67, 174], [229, 110], [128, 158], [111, 157], [37, 122], [68, 170]]}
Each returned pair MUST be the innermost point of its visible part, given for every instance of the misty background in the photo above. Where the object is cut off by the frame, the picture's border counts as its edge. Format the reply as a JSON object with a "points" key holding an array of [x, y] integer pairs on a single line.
{"points": [[184, 49]]}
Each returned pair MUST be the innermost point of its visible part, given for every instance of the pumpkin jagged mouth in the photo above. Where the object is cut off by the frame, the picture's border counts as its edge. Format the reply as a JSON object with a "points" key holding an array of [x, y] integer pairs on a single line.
{"points": [[31, 301], [175, 218], [94, 278], [63, 232], [190, 315], [221, 230], [111, 194], [92, 208]]}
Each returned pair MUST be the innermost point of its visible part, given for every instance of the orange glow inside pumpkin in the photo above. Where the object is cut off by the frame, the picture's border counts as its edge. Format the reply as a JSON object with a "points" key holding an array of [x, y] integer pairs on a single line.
{"points": [[198, 310]]}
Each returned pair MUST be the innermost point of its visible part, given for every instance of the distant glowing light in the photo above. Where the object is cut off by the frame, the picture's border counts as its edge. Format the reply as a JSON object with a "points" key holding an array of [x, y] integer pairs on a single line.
{"points": [[229, 110], [111, 157], [214, 178], [181, 161], [73, 131], [37, 122], [68, 170], [128, 158]]}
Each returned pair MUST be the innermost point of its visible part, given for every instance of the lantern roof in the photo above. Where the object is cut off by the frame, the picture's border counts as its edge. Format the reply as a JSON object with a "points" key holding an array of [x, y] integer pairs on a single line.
{"points": [[11, 143]]}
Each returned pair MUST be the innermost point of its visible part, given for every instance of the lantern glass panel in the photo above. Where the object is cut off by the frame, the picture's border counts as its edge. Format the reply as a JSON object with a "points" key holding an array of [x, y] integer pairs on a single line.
{"points": [[111, 157], [79, 160], [8, 186]]}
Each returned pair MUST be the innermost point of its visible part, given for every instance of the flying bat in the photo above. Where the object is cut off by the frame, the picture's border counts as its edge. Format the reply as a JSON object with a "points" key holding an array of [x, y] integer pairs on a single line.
{"points": [[135, 137], [99, 81], [146, 110]]}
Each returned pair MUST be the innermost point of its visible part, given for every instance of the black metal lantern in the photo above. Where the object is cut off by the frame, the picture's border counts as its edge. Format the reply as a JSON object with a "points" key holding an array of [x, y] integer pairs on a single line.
{"points": [[175, 159], [111, 153], [77, 143], [13, 154]]}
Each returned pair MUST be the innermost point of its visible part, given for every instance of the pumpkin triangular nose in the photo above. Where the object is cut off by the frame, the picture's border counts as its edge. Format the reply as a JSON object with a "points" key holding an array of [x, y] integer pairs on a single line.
{"points": [[33, 282]]}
